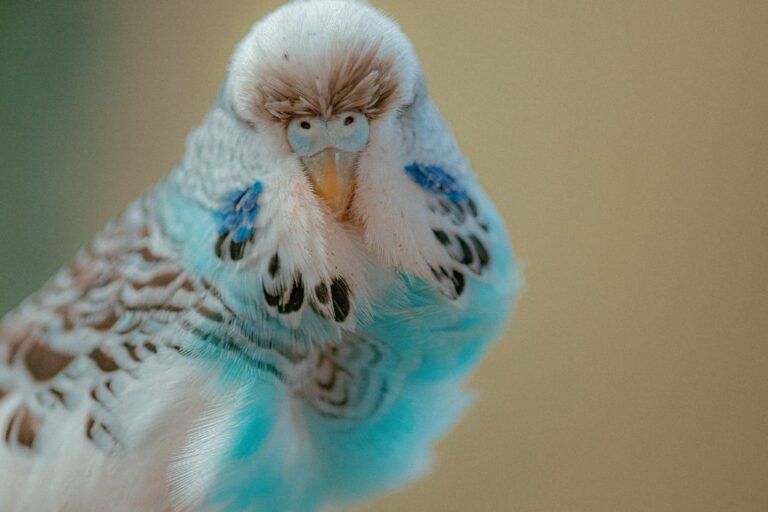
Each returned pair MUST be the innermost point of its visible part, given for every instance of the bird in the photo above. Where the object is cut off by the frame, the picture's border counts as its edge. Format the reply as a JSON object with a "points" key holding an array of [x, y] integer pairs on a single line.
{"points": [[286, 321]]}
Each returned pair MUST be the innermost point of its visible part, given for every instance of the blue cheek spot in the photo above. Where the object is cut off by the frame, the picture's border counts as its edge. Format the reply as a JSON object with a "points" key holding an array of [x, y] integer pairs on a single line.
{"points": [[242, 234], [437, 181], [239, 213]]}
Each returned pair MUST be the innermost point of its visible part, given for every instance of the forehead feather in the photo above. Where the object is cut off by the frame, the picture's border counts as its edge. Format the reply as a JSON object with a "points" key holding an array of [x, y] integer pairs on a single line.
{"points": [[319, 58]]}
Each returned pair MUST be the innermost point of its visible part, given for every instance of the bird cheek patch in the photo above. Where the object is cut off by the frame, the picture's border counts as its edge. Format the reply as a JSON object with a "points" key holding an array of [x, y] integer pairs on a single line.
{"points": [[456, 225], [435, 180], [236, 221]]}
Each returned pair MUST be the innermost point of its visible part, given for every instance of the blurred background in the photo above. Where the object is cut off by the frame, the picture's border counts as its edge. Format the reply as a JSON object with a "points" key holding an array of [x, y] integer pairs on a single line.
{"points": [[626, 144]]}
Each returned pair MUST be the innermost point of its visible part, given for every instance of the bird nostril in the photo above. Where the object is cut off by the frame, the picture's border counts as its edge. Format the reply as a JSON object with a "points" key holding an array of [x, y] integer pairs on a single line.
{"points": [[349, 120], [305, 125]]}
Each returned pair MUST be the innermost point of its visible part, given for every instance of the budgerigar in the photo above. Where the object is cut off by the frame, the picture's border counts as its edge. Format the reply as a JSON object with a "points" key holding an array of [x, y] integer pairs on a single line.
{"points": [[287, 321]]}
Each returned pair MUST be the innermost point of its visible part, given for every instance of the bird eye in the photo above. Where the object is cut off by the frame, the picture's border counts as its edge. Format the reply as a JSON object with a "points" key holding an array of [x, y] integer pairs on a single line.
{"points": [[349, 120], [305, 125]]}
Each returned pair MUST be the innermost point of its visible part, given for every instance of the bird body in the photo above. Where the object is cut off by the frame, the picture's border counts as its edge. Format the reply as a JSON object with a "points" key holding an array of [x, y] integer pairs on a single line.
{"points": [[287, 320]]}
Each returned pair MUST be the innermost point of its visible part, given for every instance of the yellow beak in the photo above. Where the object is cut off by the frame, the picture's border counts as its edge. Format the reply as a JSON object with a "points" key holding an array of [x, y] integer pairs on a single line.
{"points": [[332, 175]]}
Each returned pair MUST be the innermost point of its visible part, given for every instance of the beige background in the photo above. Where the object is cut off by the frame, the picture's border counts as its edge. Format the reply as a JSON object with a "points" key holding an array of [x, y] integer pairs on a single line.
{"points": [[626, 144]]}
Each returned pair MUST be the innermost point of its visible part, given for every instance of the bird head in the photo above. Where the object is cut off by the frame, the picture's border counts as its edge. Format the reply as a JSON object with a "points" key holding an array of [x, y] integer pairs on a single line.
{"points": [[317, 75]]}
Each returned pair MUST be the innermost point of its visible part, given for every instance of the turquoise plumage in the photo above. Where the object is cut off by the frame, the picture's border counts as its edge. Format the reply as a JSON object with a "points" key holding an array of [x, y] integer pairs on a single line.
{"points": [[287, 321]]}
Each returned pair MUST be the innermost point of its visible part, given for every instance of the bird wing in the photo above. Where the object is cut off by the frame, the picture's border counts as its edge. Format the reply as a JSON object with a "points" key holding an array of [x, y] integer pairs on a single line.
{"points": [[101, 318]]}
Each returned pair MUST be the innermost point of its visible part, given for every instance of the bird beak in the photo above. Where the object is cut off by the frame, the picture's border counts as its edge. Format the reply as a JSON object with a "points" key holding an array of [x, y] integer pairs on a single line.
{"points": [[332, 173]]}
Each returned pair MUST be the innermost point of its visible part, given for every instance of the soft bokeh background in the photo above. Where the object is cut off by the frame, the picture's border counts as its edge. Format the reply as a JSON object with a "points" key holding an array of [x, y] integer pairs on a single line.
{"points": [[626, 144]]}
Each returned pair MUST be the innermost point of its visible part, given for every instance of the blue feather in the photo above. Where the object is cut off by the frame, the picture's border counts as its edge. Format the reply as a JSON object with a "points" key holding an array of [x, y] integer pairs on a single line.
{"points": [[239, 212], [436, 180]]}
